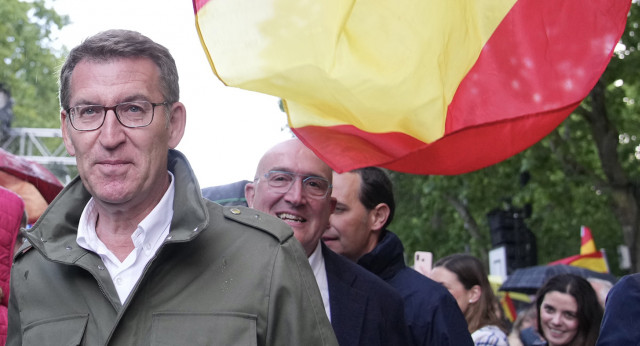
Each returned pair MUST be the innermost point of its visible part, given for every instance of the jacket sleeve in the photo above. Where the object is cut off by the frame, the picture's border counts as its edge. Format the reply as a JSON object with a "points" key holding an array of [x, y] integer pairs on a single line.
{"points": [[296, 313], [621, 314], [448, 326], [397, 324]]}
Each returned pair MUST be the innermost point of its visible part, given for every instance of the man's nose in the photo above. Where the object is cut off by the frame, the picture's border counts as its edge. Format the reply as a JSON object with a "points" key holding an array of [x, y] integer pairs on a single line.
{"points": [[295, 194], [111, 132]]}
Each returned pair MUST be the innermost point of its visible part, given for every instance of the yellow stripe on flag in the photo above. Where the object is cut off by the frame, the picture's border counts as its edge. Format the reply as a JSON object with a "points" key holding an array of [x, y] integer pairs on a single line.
{"points": [[595, 261], [337, 64], [597, 264]]}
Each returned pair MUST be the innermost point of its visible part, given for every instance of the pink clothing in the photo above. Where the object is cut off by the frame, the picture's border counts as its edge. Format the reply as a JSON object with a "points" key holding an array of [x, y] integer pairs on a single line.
{"points": [[11, 210]]}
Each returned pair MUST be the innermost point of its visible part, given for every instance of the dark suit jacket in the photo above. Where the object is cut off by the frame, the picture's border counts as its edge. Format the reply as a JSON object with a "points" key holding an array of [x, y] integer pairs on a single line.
{"points": [[365, 310], [621, 314], [433, 316]]}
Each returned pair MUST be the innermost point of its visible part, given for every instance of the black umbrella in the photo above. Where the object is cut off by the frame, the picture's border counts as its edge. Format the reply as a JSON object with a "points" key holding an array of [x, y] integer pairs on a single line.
{"points": [[529, 280]]}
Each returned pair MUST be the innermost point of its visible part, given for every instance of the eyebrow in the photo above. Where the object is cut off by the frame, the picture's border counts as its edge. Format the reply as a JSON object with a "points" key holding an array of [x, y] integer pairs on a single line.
{"points": [[283, 169], [136, 97]]}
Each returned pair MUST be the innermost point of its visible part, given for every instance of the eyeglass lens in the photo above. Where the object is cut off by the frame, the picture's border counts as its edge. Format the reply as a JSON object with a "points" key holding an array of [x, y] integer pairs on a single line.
{"points": [[130, 114], [282, 181]]}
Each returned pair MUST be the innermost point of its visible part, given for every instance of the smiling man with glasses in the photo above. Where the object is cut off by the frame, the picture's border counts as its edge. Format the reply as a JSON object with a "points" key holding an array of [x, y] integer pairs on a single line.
{"points": [[130, 253], [293, 184]]}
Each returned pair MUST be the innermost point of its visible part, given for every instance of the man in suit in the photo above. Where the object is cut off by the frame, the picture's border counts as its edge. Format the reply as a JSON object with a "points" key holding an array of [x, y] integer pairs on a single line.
{"points": [[364, 209], [293, 184]]}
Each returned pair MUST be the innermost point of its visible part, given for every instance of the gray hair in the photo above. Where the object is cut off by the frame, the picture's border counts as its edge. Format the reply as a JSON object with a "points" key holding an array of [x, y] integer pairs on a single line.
{"points": [[116, 44]]}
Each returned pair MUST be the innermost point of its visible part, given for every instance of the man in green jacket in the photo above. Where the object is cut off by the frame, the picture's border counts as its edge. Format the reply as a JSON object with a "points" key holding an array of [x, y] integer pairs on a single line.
{"points": [[130, 253]]}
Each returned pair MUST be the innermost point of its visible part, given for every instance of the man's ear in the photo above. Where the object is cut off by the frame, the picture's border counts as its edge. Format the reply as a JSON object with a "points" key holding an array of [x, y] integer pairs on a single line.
{"points": [[65, 134], [176, 123], [250, 193], [379, 216]]}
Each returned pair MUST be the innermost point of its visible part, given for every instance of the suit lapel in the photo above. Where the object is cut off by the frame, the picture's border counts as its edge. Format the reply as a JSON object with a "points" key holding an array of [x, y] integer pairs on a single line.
{"points": [[348, 304]]}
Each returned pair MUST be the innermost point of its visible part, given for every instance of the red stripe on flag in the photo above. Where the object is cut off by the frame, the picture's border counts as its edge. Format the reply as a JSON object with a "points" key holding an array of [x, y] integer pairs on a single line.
{"points": [[545, 54], [571, 259], [348, 145], [198, 4], [345, 147], [585, 235]]}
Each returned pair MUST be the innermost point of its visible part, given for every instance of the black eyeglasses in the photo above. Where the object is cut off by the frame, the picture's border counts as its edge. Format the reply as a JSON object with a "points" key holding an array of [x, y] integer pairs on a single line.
{"points": [[129, 114], [281, 182]]}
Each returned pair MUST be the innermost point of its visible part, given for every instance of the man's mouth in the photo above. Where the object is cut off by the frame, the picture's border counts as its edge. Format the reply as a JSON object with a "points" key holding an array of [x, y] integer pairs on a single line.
{"points": [[327, 238], [290, 217]]}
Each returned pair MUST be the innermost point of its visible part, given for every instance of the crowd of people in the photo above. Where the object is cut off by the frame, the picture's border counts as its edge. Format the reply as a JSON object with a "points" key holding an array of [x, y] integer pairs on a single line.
{"points": [[131, 253]]}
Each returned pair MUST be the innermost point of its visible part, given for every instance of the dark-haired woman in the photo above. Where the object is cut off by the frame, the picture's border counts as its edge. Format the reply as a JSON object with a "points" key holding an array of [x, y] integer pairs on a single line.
{"points": [[466, 279], [568, 311]]}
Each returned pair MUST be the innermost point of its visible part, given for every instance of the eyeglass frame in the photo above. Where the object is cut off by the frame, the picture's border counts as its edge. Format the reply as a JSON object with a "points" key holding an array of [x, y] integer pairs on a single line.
{"points": [[303, 179], [113, 108]]}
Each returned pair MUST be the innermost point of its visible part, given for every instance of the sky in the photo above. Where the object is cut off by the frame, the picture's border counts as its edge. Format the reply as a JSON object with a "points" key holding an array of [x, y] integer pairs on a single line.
{"points": [[228, 129]]}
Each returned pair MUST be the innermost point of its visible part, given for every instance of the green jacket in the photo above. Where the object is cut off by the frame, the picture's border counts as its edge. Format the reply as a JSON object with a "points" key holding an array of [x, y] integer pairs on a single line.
{"points": [[224, 276]]}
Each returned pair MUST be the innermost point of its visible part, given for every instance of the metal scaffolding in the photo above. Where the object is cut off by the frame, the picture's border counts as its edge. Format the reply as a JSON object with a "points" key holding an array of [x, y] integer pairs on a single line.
{"points": [[31, 147]]}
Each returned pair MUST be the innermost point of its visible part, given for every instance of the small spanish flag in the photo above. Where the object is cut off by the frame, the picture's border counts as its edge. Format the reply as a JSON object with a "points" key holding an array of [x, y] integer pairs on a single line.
{"points": [[589, 257], [587, 244], [508, 307], [424, 87], [595, 261]]}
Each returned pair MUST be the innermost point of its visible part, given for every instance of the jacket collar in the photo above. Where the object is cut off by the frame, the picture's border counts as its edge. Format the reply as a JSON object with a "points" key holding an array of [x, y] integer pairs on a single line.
{"points": [[387, 258], [54, 234]]}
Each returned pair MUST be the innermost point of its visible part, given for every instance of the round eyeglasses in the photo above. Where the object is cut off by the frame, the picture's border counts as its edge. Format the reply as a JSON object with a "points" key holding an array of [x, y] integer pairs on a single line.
{"points": [[129, 114], [281, 182]]}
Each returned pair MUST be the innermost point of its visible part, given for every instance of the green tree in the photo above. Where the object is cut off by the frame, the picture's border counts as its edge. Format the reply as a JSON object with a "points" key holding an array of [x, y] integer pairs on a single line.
{"points": [[29, 61], [584, 173]]}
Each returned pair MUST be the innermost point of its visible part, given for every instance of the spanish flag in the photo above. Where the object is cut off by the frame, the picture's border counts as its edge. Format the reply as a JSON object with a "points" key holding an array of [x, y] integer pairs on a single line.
{"points": [[595, 261], [508, 307], [424, 87], [589, 257], [587, 245]]}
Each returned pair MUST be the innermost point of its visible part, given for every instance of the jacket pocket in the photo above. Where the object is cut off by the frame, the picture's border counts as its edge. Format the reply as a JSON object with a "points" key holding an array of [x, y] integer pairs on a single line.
{"points": [[181, 328], [63, 330]]}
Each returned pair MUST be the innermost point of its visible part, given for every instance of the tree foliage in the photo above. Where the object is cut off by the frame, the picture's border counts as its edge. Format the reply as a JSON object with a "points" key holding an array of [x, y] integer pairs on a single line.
{"points": [[30, 62], [584, 173]]}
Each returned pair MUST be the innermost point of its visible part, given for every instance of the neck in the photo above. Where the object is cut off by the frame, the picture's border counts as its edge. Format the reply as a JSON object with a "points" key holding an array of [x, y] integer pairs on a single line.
{"points": [[115, 234], [117, 222]]}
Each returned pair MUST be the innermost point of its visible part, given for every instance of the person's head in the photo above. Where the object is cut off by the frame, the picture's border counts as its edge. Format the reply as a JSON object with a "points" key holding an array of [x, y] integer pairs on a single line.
{"points": [[568, 311], [466, 279], [293, 184], [364, 208], [120, 116], [527, 318]]}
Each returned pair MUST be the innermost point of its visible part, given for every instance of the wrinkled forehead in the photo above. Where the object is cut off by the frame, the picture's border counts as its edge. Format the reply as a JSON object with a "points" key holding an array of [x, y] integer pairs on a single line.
{"points": [[293, 156]]}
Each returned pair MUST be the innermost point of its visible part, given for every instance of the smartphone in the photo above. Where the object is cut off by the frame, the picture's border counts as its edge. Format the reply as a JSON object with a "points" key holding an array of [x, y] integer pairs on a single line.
{"points": [[422, 261]]}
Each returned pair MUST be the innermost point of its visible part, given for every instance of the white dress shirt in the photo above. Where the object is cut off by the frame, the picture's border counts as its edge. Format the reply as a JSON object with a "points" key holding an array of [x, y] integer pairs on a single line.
{"points": [[147, 238], [316, 260]]}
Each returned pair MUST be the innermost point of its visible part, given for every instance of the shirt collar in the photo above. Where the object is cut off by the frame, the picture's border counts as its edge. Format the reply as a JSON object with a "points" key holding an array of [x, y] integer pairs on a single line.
{"points": [[151, 226], [316, 260]]}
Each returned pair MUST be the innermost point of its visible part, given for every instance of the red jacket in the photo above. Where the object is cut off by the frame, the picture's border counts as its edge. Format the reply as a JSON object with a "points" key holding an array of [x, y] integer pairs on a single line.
{"points": [[11, 210]]}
